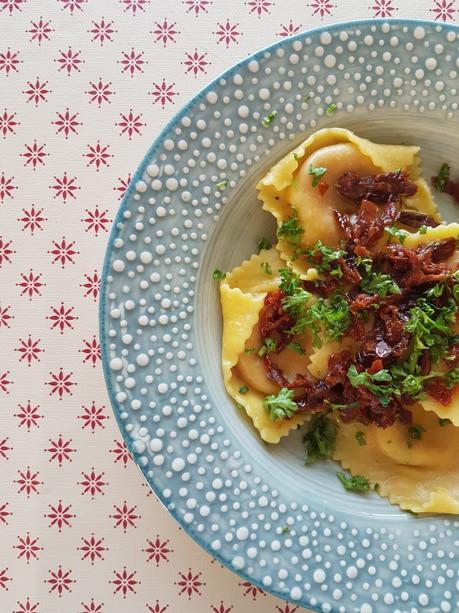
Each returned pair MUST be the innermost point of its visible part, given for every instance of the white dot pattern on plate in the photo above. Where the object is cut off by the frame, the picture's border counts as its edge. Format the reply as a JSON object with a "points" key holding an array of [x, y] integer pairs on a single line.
{"points": [[331, 562]]}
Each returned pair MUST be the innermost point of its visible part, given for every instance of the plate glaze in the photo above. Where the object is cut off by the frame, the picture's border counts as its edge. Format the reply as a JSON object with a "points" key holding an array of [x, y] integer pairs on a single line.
{"points": [[288, 529]]}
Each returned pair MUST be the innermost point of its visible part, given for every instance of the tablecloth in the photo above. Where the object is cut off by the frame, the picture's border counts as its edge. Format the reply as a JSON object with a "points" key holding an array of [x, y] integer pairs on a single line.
{"points": [[85, 86]]}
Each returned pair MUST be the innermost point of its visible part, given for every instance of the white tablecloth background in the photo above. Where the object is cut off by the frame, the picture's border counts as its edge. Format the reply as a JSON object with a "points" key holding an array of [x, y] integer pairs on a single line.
{"points": [[85, 85]]}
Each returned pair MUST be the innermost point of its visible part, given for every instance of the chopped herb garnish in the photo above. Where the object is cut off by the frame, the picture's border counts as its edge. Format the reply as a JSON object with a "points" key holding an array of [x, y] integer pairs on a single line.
{"points": [[222, 184], [290, 281], [244, 389], [218, 275], [317, 172], [415, 432], [336, 406], [269, 118], [296, 156], [266, 268], [320, 438], [331, 108], [249, 350], [358, 483], [397, 233], [296, 347], [360, 436], [324, 257], [442, 178], [380, 284], [281, 406], [296, 305], [451, 378], [262, 243], [239, 406], [292, 232], [422, 229], [285, 529], [370, 381], [268, 346], [330, 316], [444, 421], [307, 98], [376, 487]]}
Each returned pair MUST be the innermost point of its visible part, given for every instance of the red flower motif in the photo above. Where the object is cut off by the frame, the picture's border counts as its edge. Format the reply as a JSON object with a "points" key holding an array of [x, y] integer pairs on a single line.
{"points": [[27, 607], [4, 448], [157, 608], [66, 123], [132, 62], [102, 31], [163, 93], [165, 32], [444, 10], [63, 252], [60, 581], [69, 60], [28, 416], [125, 516], [121, 453], [221, 608], [34, 154], [97, 220], [130, 124], [227, 33], [289, 29], [157, 550], [189, 584], [28, 547], [98, 155], [29, 350], [124, 582], [62, 317], [8, 123], [92, 607], [322, 7], [5, 251], [72, 5], [4, 382], [92, 548], [123, 185], [6, 187], [93, 483], [59, 515], [100, 92], [64, 188], [4, 513], [91, 285], [383, 8], [11, 5], [287, 609], [30, 284], [60, 450], [134, 5], [196, 6], [93, 417], [5, 316], [37, 91], [260, 7], [60, 383], [32, 219], [28, 482], [91, 351], [4, 578], [251, 590], [9, 61], [196, 62], [40, 30]]}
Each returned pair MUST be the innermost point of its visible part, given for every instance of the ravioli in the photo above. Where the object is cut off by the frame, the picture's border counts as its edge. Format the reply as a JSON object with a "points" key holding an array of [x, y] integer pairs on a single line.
{"points": [[420, 475], [242, 295], [289, 184]]}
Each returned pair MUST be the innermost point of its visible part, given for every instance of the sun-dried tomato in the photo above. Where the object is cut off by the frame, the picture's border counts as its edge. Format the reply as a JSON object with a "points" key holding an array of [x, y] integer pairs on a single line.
{"points": [[274, 321], [381, 188], [416, 220], [437, 390]]}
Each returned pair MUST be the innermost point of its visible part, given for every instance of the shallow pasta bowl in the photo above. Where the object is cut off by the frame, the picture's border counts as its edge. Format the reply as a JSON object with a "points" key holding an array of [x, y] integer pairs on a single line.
{"points": [[191, 208]]}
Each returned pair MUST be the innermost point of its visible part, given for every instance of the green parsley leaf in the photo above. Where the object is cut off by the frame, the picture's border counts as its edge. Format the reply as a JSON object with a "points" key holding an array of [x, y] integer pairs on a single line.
{"points": [[268, 346], [451, 378], [292, 232], [397, 233], [319, 440], [422, 229], [307, 98], [281, 406], [249, 349], [296, 305], [360, 436], [415, 432], [324, 257], [317, 172], [285, 529], [330, 316], [334, 406], [296, 347], [365, 379], [365, 263], [296, 156], [444, 421], [331, 108], [269, 118], [262, 243], [218, 275], [290, 281], [266, 268], [244, 389], [442, 178], [358, 483], [239, 406], [380, 284], [222, 184]]}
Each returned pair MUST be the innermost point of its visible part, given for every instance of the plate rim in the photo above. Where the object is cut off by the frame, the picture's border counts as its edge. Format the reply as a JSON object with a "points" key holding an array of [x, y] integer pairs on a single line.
{"points": [[141, 167]]}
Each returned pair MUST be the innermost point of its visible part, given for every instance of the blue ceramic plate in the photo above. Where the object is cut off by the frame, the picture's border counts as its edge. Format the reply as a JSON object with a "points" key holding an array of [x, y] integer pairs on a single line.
{"points": [[288, 529]]}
